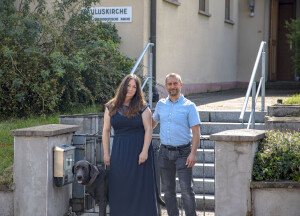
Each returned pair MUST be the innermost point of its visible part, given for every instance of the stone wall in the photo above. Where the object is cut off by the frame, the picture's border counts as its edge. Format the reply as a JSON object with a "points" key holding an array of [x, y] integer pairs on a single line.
{"points": [[6, 201], [275, 198]]}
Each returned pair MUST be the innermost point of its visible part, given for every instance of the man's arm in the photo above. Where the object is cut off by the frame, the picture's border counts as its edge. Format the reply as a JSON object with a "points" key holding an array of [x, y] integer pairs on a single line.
{"points": [[154, 123], [191, 160]]}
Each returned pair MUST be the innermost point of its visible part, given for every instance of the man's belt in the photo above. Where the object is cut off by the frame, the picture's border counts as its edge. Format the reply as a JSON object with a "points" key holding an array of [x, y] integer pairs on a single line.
{"points": [[174, 148]]}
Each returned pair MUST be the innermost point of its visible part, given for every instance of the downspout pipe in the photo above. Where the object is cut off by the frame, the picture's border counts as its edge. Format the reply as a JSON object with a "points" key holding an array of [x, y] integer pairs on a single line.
{"points": [[153, 33], [153, 40]]}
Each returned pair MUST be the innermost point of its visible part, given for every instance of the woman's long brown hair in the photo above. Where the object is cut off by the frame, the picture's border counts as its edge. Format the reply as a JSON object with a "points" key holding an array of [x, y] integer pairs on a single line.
{"points": [[137, 102]]}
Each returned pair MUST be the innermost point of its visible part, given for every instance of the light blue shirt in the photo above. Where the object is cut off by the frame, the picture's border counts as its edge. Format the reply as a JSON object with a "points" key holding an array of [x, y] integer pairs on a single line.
{"points": [[176, 119]]}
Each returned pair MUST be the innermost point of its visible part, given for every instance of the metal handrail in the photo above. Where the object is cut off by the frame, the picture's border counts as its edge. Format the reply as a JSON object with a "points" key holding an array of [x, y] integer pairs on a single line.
{"points": [[252, 85], [150, 69]]}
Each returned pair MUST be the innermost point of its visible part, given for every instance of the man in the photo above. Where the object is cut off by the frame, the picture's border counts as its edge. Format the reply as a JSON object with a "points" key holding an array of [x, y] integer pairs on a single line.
{"points": [[179, 134]]}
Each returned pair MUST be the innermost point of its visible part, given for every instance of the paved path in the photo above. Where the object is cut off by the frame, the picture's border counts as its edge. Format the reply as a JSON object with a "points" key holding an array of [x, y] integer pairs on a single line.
{"points": [[164, 213], [233, 99]]}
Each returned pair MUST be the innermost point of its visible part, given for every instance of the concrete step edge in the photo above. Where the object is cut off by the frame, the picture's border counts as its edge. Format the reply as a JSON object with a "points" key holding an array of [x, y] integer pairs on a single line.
{"points": [[209, 180], [197, 196]]}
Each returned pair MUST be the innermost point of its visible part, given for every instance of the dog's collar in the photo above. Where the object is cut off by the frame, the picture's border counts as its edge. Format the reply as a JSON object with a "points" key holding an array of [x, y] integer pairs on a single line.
{"points": [[96, 172]]}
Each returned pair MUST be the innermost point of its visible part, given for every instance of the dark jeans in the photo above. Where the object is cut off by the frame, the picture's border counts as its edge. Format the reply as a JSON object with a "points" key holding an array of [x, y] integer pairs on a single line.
{"points": [[172, 161]]}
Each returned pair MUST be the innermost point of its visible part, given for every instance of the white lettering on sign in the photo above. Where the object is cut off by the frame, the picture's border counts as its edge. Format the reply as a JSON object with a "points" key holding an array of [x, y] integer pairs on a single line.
{"points": [[112, 14]]}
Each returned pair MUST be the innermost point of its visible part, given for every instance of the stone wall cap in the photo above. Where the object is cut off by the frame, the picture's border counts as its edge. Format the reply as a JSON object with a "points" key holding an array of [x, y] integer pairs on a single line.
{"points": [[89, 115], [282, 119], [240, 135], [279, 184], [45, 130], [285, 105]]}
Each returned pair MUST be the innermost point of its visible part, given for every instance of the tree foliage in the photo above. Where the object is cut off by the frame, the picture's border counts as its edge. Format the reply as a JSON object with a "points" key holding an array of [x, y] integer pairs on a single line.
{"points": [[54, 56], [294, 38]]}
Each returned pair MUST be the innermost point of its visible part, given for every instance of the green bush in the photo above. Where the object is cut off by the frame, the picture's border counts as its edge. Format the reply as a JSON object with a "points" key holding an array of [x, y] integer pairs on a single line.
{"points": [[7, 178], [293, 99], [54, 61], [278, 157], [294, 38]]}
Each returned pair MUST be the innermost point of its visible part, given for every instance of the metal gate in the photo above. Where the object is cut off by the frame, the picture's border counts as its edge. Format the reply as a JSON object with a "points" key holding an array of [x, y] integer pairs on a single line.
{"points": [[88, 147]]}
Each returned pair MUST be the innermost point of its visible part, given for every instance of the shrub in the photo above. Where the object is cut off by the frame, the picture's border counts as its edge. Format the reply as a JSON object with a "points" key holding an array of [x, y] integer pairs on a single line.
{"points": [[294, 38], [278, 157], [54, 61], [7, 178]]}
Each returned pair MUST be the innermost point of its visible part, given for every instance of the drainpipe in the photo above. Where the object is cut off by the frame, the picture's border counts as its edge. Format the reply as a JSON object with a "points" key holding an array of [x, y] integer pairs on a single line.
{"points": [[153, 40]]}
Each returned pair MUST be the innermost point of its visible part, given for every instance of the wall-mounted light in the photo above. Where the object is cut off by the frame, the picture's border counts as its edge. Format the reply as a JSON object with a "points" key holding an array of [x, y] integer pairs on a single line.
{"points": [[251, 4]]}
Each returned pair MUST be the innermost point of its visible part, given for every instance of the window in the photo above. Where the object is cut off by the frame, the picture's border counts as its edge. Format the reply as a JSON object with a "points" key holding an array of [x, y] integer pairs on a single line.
{"points": [[228, 12], [203, 7]]}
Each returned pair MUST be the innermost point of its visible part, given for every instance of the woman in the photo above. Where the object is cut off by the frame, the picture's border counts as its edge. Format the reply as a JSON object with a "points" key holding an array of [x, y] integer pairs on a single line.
{"points": [[131, 177]]}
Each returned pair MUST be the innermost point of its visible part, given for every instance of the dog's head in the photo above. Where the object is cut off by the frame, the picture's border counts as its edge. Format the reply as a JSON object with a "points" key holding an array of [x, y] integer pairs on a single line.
{"points": [[84, 171]]}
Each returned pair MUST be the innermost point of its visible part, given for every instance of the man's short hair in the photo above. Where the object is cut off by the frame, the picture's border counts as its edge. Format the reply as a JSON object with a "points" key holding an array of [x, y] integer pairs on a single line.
{"points": [[173, 75]]}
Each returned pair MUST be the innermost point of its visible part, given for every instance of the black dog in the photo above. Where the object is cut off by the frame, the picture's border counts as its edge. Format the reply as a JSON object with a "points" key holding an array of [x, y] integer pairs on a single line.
{"points": [[95, 181]]}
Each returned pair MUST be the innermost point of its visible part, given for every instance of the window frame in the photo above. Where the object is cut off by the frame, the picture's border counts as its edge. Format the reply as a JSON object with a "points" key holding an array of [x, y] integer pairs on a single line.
{"points": [[228, 12], [204, 12]]}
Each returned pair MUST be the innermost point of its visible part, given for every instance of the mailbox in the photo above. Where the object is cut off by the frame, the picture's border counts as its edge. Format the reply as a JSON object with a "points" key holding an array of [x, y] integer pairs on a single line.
{"points": [[64, 157]]}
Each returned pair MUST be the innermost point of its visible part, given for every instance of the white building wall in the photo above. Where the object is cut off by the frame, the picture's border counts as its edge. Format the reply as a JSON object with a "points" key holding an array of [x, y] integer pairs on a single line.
{"points": [[202, 49], [252, 30], [134, 35]]}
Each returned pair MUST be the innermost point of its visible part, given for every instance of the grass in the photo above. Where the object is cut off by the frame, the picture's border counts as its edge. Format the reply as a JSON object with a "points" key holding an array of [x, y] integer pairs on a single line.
{"points": [[7, 141], [294, 99]]}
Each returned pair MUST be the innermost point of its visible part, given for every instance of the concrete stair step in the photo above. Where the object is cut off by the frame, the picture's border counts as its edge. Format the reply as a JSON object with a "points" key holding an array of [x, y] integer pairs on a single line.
{"points": [[205, 155], [203, 202], [283, 85], [205, 143], [208, 128], [200, 185], [204, 170], [230, 116]]}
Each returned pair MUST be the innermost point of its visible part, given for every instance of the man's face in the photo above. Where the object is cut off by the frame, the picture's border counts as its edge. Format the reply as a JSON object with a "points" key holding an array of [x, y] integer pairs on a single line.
{"points": [[173, 86]]}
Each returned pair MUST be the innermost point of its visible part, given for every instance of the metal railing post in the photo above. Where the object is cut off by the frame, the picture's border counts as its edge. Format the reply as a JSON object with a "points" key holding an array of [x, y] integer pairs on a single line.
{"points": [[150, 75], [149, 45], [261, 87], [253, 104], [140, 58], [263, 72]]}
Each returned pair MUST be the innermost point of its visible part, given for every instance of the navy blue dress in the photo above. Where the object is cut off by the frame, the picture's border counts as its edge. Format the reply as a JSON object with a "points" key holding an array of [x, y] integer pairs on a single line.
{"points": [[131, 186]]}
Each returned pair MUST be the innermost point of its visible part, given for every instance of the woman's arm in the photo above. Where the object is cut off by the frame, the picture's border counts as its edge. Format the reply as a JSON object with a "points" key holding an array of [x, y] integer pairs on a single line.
{"points": [[106, 137], [147, 122]]}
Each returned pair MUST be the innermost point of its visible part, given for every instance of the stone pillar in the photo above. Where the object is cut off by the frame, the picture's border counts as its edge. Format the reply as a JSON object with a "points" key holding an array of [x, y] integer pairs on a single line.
{"points": [[234, 154], [35, 193]]}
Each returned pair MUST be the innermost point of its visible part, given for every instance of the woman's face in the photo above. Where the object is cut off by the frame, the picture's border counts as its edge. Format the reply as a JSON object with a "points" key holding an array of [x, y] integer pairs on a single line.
{"points": [[131, 88]]}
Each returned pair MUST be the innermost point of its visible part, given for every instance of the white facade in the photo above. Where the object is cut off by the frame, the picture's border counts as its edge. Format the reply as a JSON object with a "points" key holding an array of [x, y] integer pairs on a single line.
{"points": [[210, 52]]}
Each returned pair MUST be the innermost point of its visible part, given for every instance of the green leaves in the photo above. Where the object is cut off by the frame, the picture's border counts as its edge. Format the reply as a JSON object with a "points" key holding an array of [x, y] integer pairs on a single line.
{"points": [[53, 61], [294, 39], [278, 157]]}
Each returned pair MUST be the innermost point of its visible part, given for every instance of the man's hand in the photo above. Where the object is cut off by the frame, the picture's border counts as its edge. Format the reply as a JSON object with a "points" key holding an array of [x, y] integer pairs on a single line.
{"points": [[191, 160]]}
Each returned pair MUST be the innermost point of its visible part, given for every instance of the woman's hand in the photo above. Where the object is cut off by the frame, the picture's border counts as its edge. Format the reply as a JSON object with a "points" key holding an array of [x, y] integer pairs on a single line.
{"points": [[107, 159], [143, 157]]}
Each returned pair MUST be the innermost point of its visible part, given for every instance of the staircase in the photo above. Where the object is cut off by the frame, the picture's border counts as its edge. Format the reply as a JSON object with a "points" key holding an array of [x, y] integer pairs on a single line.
{"points": [[204, 169]]}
